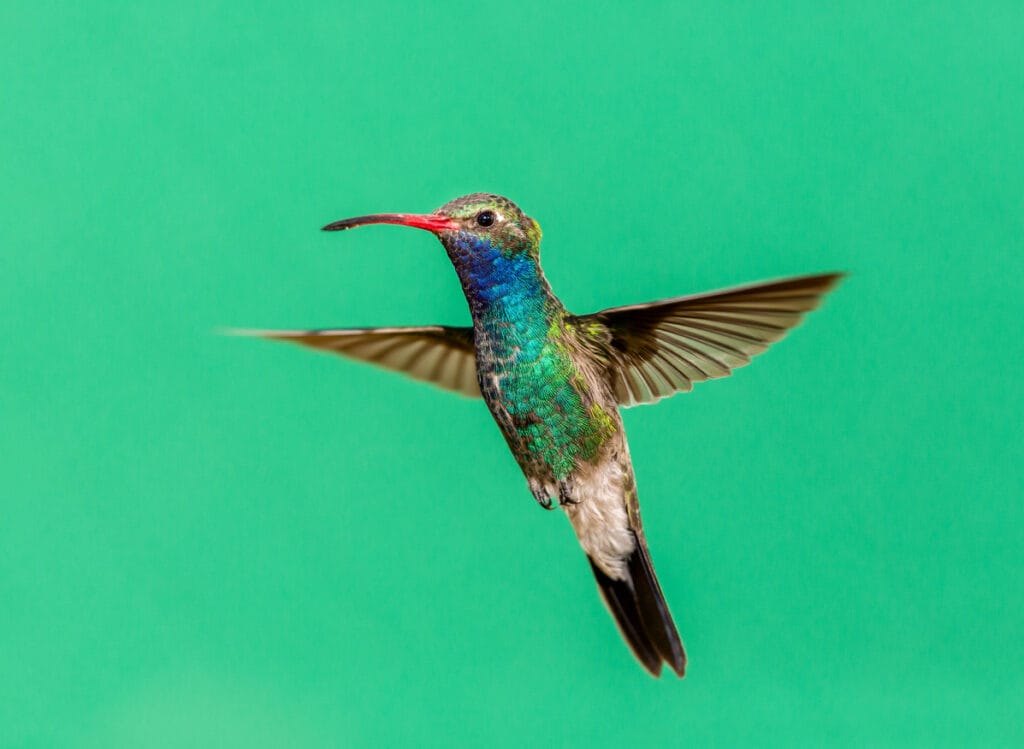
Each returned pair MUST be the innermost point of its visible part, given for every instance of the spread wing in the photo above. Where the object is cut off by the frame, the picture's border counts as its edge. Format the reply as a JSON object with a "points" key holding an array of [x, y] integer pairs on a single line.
{"points": [[436, 354], [661, 348]]}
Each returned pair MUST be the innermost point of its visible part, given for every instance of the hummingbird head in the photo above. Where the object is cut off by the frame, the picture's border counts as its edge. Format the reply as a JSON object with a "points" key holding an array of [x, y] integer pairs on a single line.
{"points": [[494, 246], [490, 222], [480, 223]]}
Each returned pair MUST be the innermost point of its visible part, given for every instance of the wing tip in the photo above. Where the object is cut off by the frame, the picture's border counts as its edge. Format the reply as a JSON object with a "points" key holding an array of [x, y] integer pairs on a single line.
{"points": [[249, 333], [832, 279]]}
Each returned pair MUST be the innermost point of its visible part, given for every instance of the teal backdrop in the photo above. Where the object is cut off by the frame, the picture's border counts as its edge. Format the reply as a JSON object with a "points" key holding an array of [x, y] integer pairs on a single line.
{"points": [[217, 542]]}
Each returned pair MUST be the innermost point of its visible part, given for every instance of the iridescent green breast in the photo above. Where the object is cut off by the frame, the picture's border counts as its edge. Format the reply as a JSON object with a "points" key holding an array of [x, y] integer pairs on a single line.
{"points": [[543, 405], [525, 365]]}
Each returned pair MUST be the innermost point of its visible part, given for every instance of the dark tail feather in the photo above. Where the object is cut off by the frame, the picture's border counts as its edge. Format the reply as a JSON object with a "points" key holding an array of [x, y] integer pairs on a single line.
{"points": [[639, 608], [619, 597], [654, 610]]}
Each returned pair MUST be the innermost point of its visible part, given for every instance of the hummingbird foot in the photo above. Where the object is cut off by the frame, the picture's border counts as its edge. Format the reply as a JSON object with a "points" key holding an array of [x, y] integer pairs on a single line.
{"points": [[564, 498], [543, 497]]}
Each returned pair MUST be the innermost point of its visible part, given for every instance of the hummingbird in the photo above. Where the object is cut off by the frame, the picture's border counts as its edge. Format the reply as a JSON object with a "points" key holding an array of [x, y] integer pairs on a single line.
{"points": [[555, 382]]}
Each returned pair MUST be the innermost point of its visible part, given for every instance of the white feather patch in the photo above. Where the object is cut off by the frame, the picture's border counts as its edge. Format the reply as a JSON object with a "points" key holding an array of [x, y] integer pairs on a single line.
{"points": [[599, 516]]}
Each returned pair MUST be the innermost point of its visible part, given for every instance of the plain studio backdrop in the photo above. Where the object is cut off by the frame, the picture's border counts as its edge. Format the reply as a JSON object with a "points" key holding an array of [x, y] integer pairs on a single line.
{"points": [[208, 541]]}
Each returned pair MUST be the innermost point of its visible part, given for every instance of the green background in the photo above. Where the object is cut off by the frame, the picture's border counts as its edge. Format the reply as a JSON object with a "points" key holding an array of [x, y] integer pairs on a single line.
{"points": [[209, 541]]}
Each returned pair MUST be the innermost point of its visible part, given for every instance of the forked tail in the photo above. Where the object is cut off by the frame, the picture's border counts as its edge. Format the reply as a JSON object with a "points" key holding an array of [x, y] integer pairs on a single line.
{"points": [[639, 608]]}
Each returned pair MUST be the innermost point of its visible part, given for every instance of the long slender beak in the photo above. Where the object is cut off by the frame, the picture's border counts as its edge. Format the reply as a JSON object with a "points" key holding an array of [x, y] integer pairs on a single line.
{"points": [[430, 222]]}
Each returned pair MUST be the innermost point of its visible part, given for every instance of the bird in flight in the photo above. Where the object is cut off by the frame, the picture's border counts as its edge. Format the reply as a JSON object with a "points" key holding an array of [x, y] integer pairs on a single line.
{"points": [[554, 381]]}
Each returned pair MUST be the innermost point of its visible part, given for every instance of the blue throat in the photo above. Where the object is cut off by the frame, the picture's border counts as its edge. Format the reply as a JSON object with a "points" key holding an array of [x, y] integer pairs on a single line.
{"points": [[502, 286]]}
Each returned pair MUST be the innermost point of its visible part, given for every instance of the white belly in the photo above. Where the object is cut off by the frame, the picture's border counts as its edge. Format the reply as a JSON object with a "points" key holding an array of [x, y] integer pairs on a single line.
{"points": [[599, 516]]}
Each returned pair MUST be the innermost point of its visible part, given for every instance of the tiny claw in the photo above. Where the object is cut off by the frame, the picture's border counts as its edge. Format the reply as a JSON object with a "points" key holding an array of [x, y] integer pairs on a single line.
{"points": [[563, 496], [543, 499]]}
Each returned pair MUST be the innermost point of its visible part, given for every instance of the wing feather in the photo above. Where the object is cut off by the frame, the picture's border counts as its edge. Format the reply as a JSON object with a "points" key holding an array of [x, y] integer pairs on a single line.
{"points": [[661, 348], [443, 356]]}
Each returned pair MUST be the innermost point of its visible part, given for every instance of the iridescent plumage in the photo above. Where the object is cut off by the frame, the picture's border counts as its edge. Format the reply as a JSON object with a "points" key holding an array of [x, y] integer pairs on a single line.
{"points": [[554, 381]]}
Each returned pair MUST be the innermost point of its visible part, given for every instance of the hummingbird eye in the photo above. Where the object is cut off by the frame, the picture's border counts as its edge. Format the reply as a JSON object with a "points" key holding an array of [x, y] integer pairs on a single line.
{"points": [[485, 218]]}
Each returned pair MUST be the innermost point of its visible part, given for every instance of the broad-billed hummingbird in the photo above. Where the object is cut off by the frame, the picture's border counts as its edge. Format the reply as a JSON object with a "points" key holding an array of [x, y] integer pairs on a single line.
{"points": [[554, 381]]}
